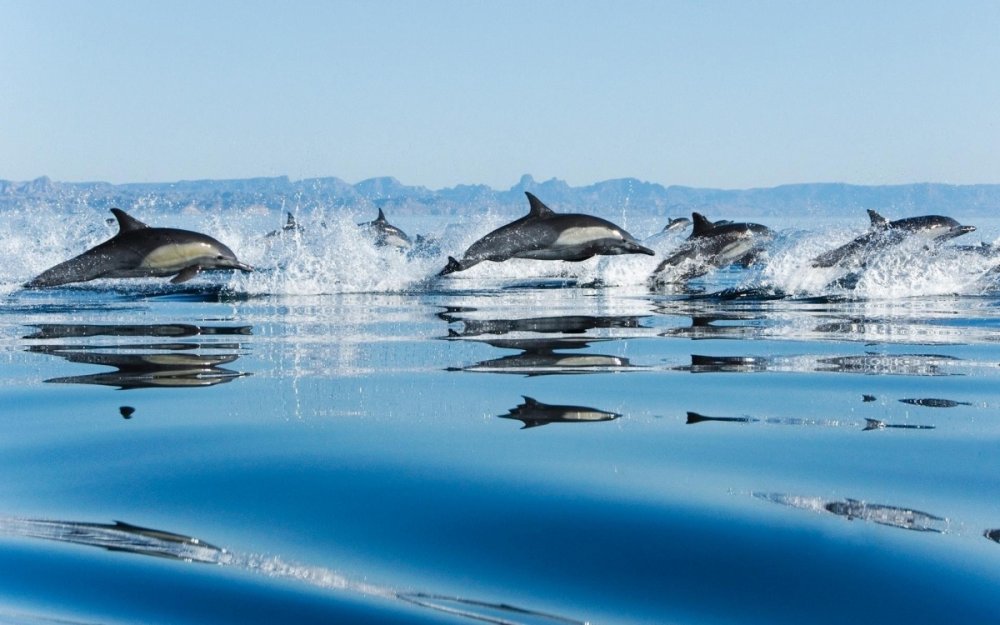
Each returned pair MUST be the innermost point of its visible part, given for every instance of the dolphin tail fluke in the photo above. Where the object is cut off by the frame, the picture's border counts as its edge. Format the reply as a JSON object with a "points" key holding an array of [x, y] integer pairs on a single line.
{"points": [[694, 417], [82, 268], [452, 266]]}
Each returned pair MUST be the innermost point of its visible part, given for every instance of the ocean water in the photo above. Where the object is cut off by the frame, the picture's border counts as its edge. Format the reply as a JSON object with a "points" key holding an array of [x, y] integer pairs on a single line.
{"points": [[342, 437]]}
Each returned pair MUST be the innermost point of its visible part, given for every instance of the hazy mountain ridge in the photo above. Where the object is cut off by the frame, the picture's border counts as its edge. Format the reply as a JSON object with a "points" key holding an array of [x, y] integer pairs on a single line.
{"points": [[607, 197]]}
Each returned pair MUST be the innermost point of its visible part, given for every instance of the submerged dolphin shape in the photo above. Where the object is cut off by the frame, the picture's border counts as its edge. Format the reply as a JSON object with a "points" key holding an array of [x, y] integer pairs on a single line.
{"points": [[385, 233], [138, 251], [710, 246], [544, 234], [884, 233]]}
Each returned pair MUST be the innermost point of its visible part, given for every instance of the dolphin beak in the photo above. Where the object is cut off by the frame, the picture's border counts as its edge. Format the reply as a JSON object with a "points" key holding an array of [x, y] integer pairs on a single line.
{"points": [[958, 231], [245, 268], [640, 249]]}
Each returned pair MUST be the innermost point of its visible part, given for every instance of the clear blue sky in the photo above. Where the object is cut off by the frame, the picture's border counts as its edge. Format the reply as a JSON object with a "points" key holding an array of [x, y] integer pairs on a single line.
{"points": [[718, 94]]}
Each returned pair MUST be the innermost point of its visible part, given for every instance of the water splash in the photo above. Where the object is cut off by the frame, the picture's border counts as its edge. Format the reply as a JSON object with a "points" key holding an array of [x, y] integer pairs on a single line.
{"points": [[328, 253]]}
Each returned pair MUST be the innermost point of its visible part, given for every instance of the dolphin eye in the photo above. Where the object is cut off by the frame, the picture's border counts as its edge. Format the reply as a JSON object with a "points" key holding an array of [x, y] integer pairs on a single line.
{"points": [[220, 257]]}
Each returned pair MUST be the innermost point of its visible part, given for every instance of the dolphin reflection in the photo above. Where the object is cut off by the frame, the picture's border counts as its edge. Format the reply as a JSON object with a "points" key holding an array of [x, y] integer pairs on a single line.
{"points": [[559, 324], [540, 356], [534, 413], [144, 365], [133, 539], [150, 370], [869, 424], [71, 330], [853, 509]]}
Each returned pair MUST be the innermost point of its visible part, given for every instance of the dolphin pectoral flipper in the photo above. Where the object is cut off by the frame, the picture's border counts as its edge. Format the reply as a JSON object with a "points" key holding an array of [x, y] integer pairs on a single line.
{"points": [[186, 274]]}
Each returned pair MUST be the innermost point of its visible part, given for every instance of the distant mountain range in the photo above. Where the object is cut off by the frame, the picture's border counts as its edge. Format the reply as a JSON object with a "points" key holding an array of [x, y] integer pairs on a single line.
{"points": [[610, 197]]}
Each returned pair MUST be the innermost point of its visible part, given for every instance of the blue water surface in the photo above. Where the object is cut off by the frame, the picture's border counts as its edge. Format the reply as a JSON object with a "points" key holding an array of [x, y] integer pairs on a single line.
{"points": [[353, 440]]}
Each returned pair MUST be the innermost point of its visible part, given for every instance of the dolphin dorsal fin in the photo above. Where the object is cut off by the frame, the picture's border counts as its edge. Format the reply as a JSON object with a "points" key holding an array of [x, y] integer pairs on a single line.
{"points": [[878, 221], [290, 222], [127, 222], [381, 215], [530, 401], [538, 209], [701, 224]]}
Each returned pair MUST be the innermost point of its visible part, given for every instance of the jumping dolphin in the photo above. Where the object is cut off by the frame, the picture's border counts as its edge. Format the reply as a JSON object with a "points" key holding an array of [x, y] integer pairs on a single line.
{"points": [[935, 229], [387, 234], [677, 223], [544, 234], [291, 225], [710, 246], [139, 251]]}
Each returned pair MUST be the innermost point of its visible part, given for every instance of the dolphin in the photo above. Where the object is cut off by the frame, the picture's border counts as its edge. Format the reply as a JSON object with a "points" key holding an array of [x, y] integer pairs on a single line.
{"points": [[678, 223], [534, 413], [544, 234], [138, 251], [882, 233], [387, 234], [291, 225], [710, 246]]}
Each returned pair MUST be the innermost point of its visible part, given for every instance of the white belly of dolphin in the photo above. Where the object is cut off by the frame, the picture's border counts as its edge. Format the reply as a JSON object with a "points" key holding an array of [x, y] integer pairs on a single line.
{"points": [[734, 251], [581, 236], [175, 257]]}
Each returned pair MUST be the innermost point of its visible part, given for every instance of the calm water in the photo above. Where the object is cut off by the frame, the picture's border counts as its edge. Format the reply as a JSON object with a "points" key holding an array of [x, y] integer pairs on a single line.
{"points": [[341, 438]]}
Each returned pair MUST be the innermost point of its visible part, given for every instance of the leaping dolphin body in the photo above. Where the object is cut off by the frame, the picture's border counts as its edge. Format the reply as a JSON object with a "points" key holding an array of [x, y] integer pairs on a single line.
{"points": [[710, 246], [935, 229], [387, 234], [138, 251], [544, 234]]}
